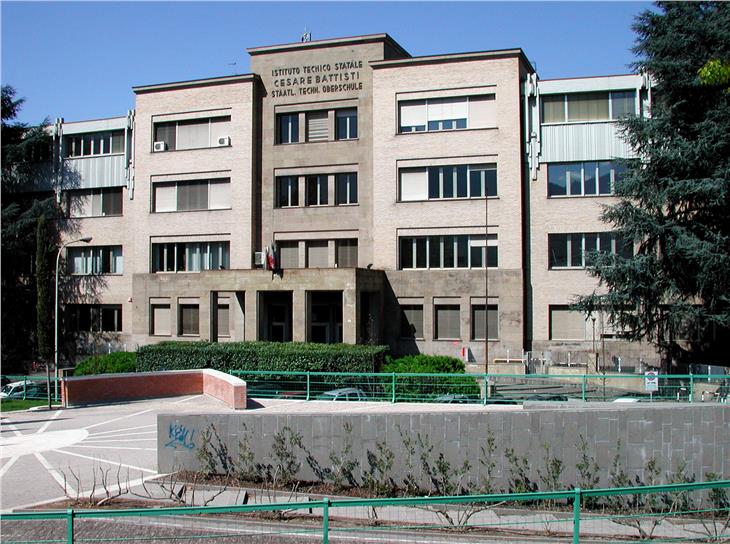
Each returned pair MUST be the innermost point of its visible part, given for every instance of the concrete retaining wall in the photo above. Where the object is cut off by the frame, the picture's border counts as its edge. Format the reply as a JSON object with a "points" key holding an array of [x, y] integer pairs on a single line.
{"points": [[103, 388], [696, 434]]}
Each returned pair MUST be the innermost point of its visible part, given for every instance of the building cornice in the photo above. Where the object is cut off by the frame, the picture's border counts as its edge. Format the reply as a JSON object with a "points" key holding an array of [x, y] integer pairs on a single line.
{"points": [[454, 57], [225, 80], [334, 42]]}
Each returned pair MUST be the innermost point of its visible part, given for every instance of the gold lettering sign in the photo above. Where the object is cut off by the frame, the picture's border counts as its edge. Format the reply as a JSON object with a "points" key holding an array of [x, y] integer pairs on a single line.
{"points": [[311, 79]]}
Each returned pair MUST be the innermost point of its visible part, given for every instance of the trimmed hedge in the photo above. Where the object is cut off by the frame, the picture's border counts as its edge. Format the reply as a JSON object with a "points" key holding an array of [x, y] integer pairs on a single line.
{"points": [[112, 363], [272, 356], [426, 364]]}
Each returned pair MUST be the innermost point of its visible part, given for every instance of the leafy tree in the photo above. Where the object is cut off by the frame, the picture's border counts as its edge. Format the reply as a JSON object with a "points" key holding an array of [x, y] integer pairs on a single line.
{"points": [[26, 196], [674, 199]]}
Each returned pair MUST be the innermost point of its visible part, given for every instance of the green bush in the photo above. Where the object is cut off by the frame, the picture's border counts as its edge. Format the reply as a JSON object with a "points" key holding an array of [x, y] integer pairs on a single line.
{"points": [[424, 388], [271, 356], [113, 363], [425, 364]]}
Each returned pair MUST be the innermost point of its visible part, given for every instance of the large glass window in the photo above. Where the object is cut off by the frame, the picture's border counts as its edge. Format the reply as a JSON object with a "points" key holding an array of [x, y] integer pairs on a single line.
{"points": [[346, 124], [582, 178], [287, 128], [452, 181], [317, 190], [287, 191], [346, 188], [589, 106], [192, 133], [189, 323], [184, 196], [437, 114], [94, 317], [346, 253], [95, 202], [85, 260], [190, 256], [484, 321], [411, 321], [448, 251], [574, 250], [98, 143], [447, 322]]}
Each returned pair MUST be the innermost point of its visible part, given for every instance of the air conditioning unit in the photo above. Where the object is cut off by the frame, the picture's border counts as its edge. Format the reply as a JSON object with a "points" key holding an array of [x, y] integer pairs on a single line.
{"points": [[160, 146], [224, 141], [259, 258]]}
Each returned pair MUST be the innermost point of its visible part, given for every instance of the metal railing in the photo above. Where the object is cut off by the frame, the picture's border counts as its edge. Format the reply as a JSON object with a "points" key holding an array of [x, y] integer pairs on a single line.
{"points": [[484, 388], [689, 512], [20, 387]]}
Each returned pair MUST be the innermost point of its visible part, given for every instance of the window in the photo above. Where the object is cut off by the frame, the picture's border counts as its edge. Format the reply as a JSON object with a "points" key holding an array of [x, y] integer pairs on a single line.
{"points": [[447, 322], [448, 251], [186, 196], [192, 133], [346, 124], [95, 317], [318, 254], [223, 319], [190, 256], [436, 114], [287, 128], [573, 250], [484, 320], [346, 189], [411, 321], [189, 320], [567, 324], [590, 106], [160, 320], [85, 260], [95, 202], [346, 253], [287, 191], [317, 126], [289, 254], [317, 190], [583, 178], [99, 143], [455, 181]]}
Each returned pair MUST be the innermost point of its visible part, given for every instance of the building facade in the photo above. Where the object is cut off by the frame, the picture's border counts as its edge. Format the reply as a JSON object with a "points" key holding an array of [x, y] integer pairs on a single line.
{"points": [[438, 204]]}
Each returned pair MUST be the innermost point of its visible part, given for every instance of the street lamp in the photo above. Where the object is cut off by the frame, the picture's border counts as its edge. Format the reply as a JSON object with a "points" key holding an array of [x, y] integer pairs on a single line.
{"points": [[86, 240]]}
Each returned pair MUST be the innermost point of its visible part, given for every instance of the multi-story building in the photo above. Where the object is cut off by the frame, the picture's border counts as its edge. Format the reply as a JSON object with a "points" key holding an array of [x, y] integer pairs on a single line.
{"points": [[439, 204]]}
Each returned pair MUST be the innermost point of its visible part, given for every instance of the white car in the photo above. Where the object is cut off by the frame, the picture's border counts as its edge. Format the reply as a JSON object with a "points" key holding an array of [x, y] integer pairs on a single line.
{"points": [[17, 390]]}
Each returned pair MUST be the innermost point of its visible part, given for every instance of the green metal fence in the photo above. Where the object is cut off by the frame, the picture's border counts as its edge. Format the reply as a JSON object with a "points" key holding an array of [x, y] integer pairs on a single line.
{"points": [[485, 388], [690, 512], [18, 387]]}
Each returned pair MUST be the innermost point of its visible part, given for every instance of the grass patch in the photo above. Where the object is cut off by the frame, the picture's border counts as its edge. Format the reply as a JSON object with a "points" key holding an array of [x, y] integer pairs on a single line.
{"points": [[13, 405]]}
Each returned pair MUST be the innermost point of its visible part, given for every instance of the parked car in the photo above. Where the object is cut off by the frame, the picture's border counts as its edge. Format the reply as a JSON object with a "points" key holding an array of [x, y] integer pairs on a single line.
{"points": [[454, 399], [346, 393], [24, 389], [291, 395]]}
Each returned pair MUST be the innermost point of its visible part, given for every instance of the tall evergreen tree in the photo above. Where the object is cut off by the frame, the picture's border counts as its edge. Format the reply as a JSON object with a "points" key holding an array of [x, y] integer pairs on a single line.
{"points": [[675, 196], [26, 196]]}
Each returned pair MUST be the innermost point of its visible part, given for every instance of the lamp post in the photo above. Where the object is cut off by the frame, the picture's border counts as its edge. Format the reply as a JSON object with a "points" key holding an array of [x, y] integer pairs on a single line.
{"points": [[86, 240]]}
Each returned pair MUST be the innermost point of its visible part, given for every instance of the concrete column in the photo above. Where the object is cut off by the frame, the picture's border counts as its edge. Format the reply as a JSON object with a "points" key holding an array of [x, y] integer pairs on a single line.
{"points": [[331, 257], [302, 254], [204, 318], [302, 185], [300, 308], [302, 127], [251, 323], [331, 190], [174, 318], [237, 315], [350, 311], [331, 122], [428, 317]]}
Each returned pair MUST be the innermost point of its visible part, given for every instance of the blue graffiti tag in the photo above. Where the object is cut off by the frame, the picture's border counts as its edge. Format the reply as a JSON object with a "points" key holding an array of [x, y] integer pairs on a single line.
{"points": [[180, 435]]}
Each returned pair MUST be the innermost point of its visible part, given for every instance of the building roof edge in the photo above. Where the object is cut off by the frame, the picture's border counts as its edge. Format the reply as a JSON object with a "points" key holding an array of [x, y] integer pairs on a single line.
{"points": [[329, 42], [222, 80], [454, 57]]}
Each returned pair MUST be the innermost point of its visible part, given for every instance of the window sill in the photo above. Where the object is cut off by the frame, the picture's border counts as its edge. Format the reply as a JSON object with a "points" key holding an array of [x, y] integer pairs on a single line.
{"points": [[447, 131], [71, 158], [562, 268], [586, 122], [95, 216], [452, 199], [189, 211], [78, 275], [153, 152], [447, 269], [562, 197], [447, 339], [161, 335]]}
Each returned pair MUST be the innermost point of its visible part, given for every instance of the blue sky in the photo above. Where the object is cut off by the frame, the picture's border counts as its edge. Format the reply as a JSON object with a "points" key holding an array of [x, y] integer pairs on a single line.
{"points": [[79, 60]]}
